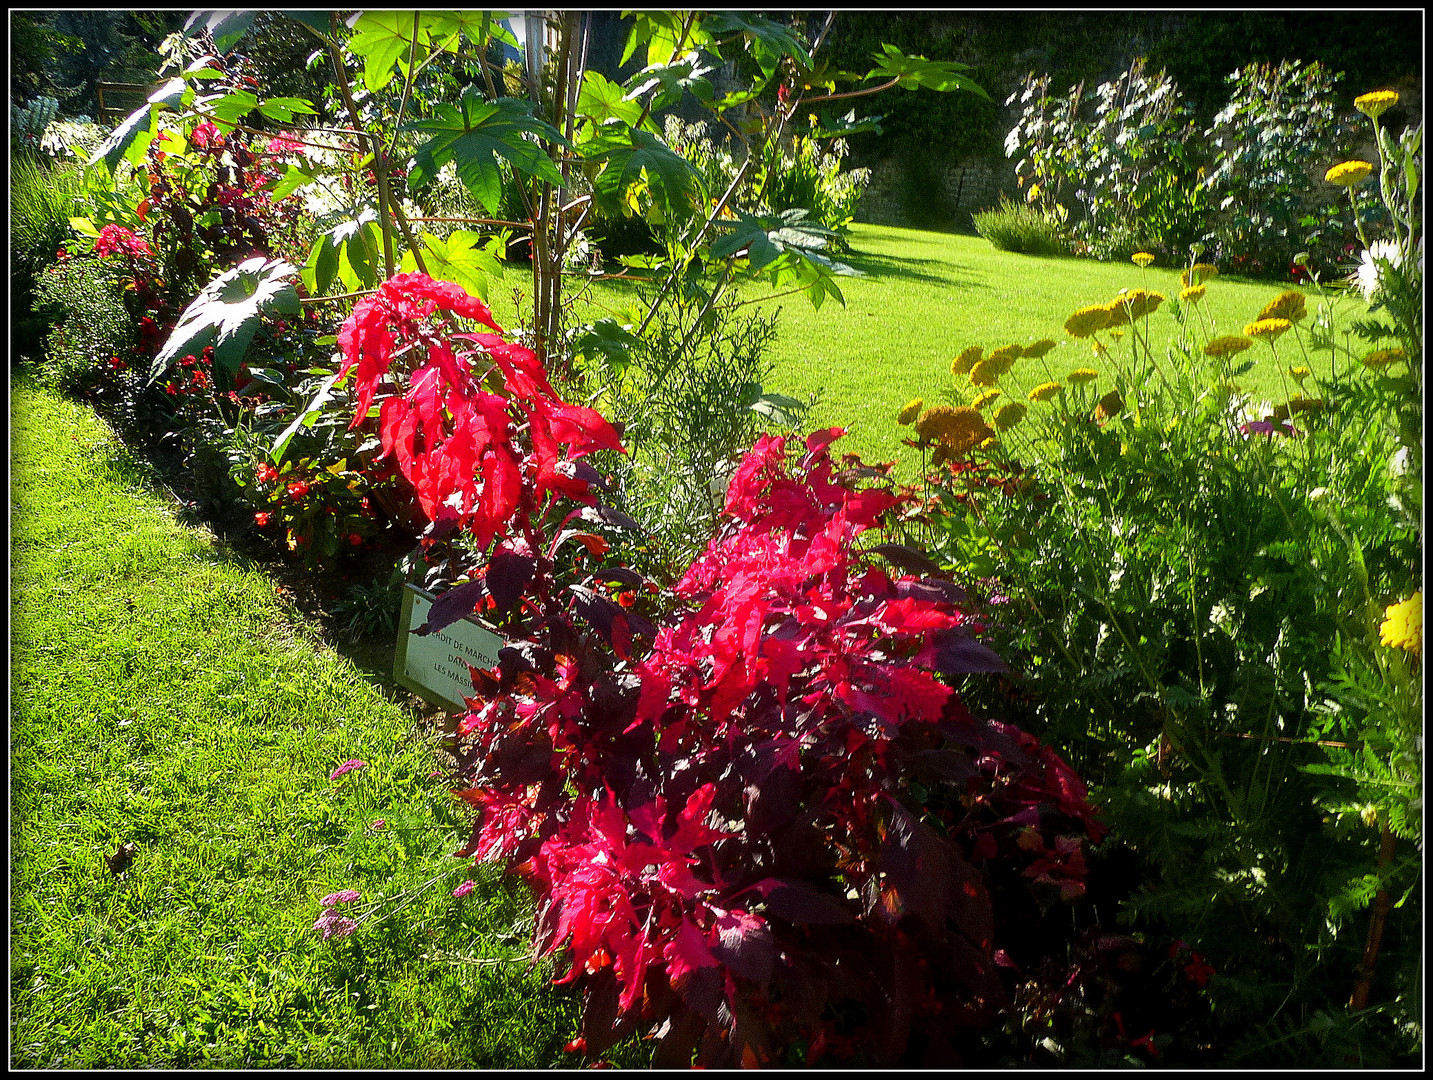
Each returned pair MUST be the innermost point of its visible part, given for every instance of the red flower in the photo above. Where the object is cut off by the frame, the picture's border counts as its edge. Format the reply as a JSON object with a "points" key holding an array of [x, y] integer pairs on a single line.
{"points": [[355, 539], [266, 473], [297, 489], [261, 519]]}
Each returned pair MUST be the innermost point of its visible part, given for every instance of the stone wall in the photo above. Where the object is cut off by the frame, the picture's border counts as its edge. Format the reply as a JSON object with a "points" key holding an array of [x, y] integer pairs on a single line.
{"points": [[942, 196]]}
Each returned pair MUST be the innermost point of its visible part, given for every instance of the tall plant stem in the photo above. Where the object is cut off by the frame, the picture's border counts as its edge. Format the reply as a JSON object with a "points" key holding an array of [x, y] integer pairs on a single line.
{"points": [[1363, 987], [380, 164]]}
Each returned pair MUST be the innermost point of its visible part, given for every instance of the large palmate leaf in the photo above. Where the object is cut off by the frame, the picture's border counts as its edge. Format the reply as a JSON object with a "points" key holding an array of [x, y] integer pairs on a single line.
{"points": [[602, 101], [131, 139], [766, 237], [633, 155], [667, 83], [474, 134], [465, 258], [226, 27], [830, 126], [914, 72], [226, 314], [349, 252], [767, 41], [662, 33]]}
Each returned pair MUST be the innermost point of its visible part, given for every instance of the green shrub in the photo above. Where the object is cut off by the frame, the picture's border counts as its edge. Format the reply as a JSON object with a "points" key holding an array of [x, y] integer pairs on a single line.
{"points": [[41, 202], [84, 300], [1025, 230]]}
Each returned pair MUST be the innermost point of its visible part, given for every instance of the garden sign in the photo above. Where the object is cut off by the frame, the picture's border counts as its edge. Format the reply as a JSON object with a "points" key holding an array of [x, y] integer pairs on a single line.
{"points": [[435, 666]]}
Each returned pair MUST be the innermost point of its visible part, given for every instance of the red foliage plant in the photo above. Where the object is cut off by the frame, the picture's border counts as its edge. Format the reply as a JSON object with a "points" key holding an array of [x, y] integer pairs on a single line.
{"points": [[773, 831]]}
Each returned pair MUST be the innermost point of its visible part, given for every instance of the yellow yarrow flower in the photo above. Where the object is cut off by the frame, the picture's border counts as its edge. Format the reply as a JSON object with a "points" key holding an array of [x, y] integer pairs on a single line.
{"points": [[987, 372], [1383, 357], [1268, 328], [1082, 375], [1098, 349], [1119, 312], [1198, 274], [1227, 346], [1144, 303], [1193, 294], [1087, 320], [1006, 356], [958, 428], [1009, 415], [1348, 173], [1289, 304], [1402, 626], [1375, 104], [1142, 259], [910, 412], [1045, 391], [962, 364], [1039, 349], [1299, 374], [984, 399]]}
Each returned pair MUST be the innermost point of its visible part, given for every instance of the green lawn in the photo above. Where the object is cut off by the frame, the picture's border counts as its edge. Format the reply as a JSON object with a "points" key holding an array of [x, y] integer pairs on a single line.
{"points": [[162, 694], [926, 296]]}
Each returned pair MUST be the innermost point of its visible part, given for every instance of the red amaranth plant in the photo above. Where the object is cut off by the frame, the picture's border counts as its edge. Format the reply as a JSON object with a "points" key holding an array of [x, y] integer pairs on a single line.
{"points": [[778, 828]]}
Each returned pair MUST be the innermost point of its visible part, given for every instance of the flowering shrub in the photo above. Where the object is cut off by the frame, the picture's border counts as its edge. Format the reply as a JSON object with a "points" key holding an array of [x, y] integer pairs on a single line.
{"points": [[724, 834]]}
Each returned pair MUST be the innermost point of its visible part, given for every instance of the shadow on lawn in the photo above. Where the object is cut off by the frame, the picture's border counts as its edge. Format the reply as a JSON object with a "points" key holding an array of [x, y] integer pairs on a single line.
{"points": [[907, 268]]}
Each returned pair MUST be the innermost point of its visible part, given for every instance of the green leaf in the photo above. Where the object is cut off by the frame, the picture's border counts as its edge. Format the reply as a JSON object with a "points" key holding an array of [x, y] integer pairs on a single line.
{"points": [[295, 177], [226, 110], [462, 259], [226, 27], [283, 109], [304, 419], [832, 127], [671, 81], [477, 133], [383, 38], [914, 72], [138, 127], [631, 154], [661, 32], [607, 338], [319, 22], [767, 41], [84, 226], [779, 408], [603, 101], [226, 314]]}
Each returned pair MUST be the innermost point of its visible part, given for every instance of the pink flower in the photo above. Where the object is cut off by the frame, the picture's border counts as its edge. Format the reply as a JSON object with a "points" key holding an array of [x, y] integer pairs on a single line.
{"points": [[206, 134], [345, 896], [379, 824], [333, 925], [347, 767], [286, 142], [116, 238], [463, 890]]}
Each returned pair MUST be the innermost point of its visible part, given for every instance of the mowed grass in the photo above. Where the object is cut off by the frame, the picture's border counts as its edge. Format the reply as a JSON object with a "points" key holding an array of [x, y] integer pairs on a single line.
{"points": [[926, 296], [163, 695]]}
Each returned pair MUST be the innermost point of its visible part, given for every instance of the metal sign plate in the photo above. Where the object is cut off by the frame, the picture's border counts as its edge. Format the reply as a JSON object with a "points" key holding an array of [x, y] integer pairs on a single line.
{"points": [[434, 666]]}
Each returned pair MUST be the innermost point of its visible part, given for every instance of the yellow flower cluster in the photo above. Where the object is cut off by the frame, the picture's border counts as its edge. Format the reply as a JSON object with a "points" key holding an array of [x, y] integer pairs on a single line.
{"points": [[910, 412], [1403, 624], [1227, 346], [962, 364], [1289, 304], [1087, 320], [1375, 104], [988, 371], [1009, 415], [1348, 173], [1193, 294], [1299, 374], [1142, 259], [959, 429], [1039, 348], [1045, 391], [1142, 303], [1198, 274], [984, 399], [1383, 357], [1083, 375], [1268, 328]]}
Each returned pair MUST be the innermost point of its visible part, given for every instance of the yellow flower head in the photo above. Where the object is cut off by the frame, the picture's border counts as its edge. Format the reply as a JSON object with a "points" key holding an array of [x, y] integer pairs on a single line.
{"points": [[1348, 173], [1383, 357], [1375, 104], [1117, 334], [1087, 320], [1299, 374], [1039, 349], [1289, 304], [1403, 624], [987, 372], [1009, 415], [1045, 391], [1268, 328], [958, 428], [910, 412], [1082, 375], [984, 399], [1227, 346], [1144, 303], [1098, 349], [1006, 356], [1119, 311], [1198, 274], [1142, 259], [1109, 405], [1193, 294], [962, 364]]}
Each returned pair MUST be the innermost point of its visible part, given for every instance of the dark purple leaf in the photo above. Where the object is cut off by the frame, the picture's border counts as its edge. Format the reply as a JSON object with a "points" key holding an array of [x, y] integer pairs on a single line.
{"points": [[799, 901], [605, 515], [581, 470], [452, 606], [907, 558], [521, 657], [920, 865], [596, 610], [945, 764], [674, 1049], [958, 653], [935, 590], [442, 526], [507, 576], [745, 945], [702, 989], [621, 574]]}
